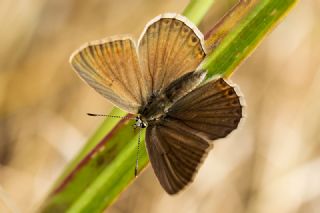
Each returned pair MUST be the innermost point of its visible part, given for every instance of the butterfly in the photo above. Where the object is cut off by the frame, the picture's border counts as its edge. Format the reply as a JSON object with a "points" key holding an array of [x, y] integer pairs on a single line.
{"points": [[159, 80]]}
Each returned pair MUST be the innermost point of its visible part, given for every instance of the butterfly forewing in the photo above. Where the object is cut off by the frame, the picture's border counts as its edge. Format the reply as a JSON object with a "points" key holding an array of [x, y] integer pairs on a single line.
{"points": [[112, 68], [170, 46]]}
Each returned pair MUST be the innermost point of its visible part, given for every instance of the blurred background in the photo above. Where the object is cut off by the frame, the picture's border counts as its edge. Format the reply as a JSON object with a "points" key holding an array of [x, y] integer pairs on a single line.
{"points": [[271, 163]]}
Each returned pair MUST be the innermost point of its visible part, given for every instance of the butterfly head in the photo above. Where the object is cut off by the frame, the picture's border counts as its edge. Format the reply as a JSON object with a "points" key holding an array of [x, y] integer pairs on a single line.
{"points": [[140, 123]]}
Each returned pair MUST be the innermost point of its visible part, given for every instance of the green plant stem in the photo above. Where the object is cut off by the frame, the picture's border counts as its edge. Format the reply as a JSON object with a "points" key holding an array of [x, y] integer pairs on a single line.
{"points": [[196, 10]]}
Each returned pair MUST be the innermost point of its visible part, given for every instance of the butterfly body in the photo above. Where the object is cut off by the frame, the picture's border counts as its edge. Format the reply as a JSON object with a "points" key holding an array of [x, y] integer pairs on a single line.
{"points": [[158, 80], [160, 103]]}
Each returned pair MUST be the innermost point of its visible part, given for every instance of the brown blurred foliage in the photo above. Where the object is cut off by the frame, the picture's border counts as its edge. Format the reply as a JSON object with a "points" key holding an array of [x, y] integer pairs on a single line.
{"points": [[270, 164]]}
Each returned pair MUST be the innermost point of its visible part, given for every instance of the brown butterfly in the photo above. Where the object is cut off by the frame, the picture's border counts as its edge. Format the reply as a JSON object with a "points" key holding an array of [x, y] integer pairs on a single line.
{"points": [[158, 80]]}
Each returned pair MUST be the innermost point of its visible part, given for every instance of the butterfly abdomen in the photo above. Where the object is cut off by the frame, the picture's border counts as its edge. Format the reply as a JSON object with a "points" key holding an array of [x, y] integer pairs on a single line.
{"points": [[183, 85]]}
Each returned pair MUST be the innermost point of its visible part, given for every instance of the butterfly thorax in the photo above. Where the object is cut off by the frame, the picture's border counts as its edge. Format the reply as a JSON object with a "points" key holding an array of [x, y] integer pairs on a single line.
{"points": [[160, 102], [155, 109]]}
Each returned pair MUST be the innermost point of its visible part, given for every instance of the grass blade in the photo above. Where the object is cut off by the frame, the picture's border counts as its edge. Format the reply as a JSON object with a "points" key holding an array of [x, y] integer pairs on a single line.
{"points": [[249, 23], [196, 10]]}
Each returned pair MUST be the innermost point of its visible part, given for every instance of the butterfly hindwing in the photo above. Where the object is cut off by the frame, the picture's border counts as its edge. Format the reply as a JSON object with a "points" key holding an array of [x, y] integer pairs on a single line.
{"points": [[213, 109], [175, 154]]}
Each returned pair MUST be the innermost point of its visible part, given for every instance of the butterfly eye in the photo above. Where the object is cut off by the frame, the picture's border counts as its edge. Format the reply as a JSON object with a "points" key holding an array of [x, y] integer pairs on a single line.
{"points": [[143, 125]]}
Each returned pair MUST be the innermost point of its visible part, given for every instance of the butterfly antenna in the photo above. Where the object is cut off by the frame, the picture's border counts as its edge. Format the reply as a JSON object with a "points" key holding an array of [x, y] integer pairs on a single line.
{"points": [[110, 116], [137, 158]]}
